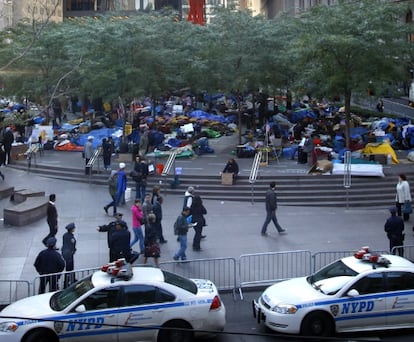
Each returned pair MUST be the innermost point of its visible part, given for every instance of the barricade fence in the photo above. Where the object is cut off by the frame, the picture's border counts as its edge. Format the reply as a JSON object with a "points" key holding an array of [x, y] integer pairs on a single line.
{"points": [[221, 271], [72, 275], [12, 290], [321, 259], [407, 251], [261, 269], [228, 274]]}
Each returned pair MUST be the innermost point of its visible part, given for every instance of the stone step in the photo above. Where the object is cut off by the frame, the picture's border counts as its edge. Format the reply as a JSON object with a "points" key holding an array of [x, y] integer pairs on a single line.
{"points": [[299, 190]]}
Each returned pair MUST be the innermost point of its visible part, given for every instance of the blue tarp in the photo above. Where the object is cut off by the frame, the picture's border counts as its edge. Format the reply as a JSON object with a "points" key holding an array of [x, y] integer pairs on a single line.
{"points": [[98, 135]]}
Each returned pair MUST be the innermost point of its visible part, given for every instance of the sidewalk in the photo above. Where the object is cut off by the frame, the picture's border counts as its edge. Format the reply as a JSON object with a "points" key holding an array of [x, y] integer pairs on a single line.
{"points": [[233, 228]]}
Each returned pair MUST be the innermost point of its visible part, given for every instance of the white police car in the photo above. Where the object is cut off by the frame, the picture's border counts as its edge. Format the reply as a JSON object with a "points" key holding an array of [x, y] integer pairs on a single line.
{"points": [[128, 304], [363, 292]]}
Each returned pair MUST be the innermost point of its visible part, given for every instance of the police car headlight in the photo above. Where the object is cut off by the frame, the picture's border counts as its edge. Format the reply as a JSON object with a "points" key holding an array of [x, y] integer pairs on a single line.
{"points": [[8, 326], [286, 309]]}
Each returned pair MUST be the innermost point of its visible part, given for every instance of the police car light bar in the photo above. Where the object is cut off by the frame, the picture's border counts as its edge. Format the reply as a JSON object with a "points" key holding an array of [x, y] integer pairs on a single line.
{"points": [[119, 269], [375, 259]]}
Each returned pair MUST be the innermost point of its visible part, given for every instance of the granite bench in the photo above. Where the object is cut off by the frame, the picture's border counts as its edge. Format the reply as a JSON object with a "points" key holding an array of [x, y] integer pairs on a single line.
{"points": [[32, 209], [6, 191], [20, 196]]}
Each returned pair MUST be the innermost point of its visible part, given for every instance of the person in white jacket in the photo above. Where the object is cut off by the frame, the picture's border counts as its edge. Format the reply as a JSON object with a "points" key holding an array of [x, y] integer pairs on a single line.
{"points": [[403, 196]]}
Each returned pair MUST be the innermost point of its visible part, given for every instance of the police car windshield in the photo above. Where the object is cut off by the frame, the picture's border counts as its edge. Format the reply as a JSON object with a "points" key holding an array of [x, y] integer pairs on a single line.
{"points": [[336, 269], [60, 300]]}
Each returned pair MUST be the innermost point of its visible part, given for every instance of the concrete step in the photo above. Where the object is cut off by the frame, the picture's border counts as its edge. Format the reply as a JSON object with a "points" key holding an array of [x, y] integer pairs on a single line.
{"points": [[292, 190]]}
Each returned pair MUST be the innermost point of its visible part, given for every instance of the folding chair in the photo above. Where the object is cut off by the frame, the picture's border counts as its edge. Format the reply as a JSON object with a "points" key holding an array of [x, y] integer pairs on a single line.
{"points": [[276, 148]]}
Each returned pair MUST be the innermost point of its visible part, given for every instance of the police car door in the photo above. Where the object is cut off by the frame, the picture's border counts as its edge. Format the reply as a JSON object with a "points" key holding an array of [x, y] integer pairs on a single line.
{"points": [[400, 299], [143, 309], [367, 308], [99, 320]]}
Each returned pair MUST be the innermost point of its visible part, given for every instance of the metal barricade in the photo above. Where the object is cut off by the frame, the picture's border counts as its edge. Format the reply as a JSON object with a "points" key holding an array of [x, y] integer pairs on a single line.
{"points": [[408, 251], [262, 269], [221, 271], [12, 290], [321, 259], [77, 274]]}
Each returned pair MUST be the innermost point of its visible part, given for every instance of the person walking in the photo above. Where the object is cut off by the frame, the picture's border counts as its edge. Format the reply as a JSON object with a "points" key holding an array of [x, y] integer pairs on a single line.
{"points": [[394, 227], [152, 248], [49, 261], [157, 210], [146, 208], [188, 197], [110, 230], [2, 158], [121, 185], [271, 206], [112, 188], [137, 219], [107, 150], [156, 193], [8, 139], [402, 196], [197, 212], [120, 242], [88, 151], [181, 227], [68, 251], [51, 218], [139, 175]]}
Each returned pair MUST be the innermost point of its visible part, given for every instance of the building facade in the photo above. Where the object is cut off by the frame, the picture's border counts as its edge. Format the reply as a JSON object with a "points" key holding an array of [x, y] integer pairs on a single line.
{"points": [[58, 10]]}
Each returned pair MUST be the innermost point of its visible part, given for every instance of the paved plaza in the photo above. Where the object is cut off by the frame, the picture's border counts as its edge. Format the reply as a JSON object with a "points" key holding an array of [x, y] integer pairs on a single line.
{"points": [[233, 227]]}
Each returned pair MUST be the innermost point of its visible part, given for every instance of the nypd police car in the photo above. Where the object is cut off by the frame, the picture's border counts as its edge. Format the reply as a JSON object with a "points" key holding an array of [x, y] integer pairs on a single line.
{"points": [[118, 303], [363, 292]]}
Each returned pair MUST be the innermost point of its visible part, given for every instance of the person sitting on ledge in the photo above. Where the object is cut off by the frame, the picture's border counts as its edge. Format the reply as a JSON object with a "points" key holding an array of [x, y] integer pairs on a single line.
{"points": [[231, 167]]}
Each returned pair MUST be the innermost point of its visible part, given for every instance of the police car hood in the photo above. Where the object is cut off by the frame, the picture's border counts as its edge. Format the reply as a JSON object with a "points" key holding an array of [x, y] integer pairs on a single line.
{"points": [[30, 307], [293, 291]]}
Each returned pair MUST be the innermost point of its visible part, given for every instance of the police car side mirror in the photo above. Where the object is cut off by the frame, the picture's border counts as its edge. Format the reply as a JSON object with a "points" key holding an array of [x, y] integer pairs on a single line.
{"points": [[353, 293], [81, 308]]}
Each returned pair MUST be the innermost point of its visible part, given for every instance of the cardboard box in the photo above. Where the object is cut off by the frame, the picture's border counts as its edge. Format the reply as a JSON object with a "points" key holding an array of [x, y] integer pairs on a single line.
{"points": [[324, 165], [227, 178], [321, 166]]}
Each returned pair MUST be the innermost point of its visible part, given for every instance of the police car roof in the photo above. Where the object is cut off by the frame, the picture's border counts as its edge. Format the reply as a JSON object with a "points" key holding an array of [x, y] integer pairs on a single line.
{"points": [[361, 266], [140, 274]]}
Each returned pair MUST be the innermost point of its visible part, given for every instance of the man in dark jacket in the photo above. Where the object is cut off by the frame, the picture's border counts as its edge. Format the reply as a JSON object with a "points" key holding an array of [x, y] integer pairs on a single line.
{"points": [[181, 228], [120, 243], [157, 210], [49, 261], [139, 175], [8, 139], [394, 227], [68, 251], [110, 229], [51, 218], [271, 206]]}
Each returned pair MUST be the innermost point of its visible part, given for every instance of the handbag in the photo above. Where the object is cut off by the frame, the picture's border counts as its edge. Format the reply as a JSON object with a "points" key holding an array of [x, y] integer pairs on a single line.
{"points": [[407, 208], [152, 250]]}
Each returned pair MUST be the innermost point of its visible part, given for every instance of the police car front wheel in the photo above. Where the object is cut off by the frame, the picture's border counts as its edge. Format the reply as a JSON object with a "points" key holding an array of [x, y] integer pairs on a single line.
{"points": [[317, 324], [41, 335]]}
